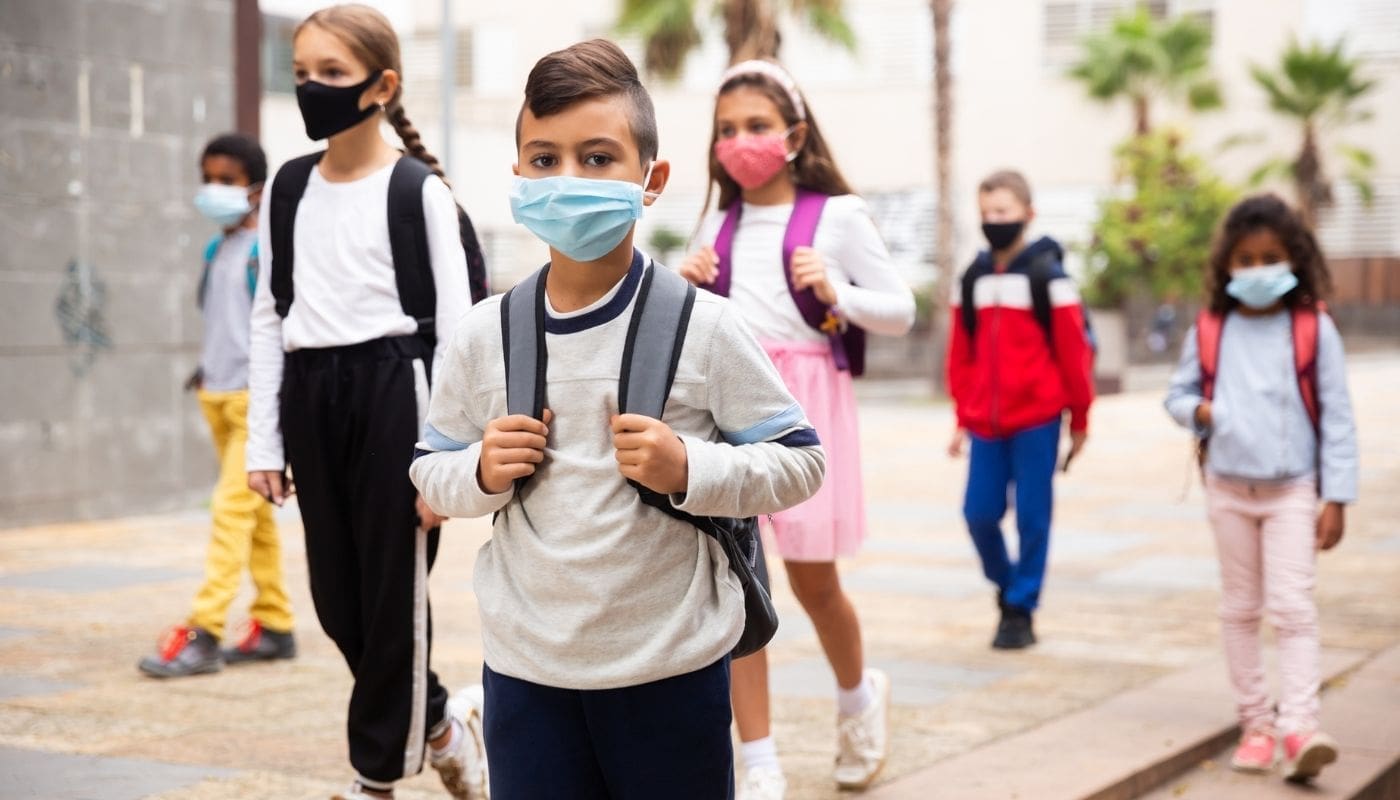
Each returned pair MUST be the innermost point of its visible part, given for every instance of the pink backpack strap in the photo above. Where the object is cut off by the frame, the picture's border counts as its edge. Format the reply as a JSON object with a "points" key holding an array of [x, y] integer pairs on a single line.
{"points": [[1209, 326], [1305, 359], [724, 247]]}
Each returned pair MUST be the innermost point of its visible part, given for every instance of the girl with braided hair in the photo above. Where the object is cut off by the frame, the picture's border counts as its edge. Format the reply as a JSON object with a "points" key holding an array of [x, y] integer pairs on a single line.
{"points": [[340, 372]]}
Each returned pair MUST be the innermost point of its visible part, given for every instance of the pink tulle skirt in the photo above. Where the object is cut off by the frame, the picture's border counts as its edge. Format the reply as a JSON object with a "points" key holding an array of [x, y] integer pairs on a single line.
{"points": [[831, 524]]}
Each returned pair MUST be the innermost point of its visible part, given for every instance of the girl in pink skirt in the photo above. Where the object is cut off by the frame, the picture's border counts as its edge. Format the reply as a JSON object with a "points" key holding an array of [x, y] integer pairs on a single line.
{"points": [[800, 257]]}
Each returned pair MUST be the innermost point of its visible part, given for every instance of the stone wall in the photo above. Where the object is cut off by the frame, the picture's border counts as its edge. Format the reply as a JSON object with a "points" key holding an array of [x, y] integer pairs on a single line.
{"points": [[106, 105]]}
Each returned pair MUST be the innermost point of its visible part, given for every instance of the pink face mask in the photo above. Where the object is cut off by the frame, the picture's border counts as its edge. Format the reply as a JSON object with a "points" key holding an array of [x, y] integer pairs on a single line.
{"points": [[752, 161]]}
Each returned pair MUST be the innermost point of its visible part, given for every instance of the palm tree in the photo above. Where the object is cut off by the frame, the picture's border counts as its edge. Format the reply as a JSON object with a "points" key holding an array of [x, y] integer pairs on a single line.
{"points": [[1318, 87], [943, 162], [669, 31], [1140, 58]]}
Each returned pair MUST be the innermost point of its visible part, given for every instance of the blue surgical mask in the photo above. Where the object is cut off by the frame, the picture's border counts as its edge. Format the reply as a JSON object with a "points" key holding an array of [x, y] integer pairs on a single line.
{"points": [[224, 205], [1261, 287], [583, 218]]}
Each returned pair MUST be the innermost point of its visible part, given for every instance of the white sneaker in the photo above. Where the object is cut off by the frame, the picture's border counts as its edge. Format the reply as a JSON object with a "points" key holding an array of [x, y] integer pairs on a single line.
{"points": [[463, 769], [762, 783], [862, 739]]}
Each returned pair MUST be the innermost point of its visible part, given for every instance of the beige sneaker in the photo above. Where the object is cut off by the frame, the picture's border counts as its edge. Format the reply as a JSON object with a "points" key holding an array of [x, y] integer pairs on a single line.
{"points": [[463, 769], [863, 739], [764, 783]]}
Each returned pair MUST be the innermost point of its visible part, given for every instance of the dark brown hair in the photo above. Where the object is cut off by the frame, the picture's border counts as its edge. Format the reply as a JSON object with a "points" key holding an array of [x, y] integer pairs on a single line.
{"points": [[814, 167], [371, 38], [1268, 212], [595, 68], [1010, 180]]}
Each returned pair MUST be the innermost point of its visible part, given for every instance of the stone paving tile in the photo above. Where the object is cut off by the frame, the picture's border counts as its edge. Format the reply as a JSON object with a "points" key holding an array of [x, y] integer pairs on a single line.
{"points": [[913, 683], [31, 686], [90, 578], [59, 776], [1164, 573], [915, 580]]}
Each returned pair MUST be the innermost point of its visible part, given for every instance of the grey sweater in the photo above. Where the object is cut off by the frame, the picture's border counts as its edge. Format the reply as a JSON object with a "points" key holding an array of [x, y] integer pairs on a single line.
{"points": [[1259, 427], [581, 585]]}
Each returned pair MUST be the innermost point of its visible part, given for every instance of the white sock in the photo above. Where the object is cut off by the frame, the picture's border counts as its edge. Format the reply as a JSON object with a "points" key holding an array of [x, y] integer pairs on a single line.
{"points": [[760, 754], [453, 737], [853, 701]]}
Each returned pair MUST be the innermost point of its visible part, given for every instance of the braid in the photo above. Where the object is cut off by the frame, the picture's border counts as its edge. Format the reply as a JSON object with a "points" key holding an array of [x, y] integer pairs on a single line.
{"points": [[412, 141]]}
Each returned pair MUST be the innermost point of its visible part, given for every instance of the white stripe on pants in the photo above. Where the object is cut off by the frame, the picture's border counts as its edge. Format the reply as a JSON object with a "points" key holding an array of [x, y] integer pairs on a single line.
{"points": [[1265, 538]]}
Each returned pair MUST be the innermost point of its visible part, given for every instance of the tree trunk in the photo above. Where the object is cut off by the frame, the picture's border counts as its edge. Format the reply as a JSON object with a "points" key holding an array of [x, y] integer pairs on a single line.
{"points": [[943, 164], [1142, 114], [1313, 188], [750, 30]]}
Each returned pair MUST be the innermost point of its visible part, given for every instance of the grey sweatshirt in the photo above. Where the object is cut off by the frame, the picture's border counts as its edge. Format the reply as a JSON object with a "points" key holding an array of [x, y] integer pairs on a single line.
{"points": [[581, 585], [1259, 426]]}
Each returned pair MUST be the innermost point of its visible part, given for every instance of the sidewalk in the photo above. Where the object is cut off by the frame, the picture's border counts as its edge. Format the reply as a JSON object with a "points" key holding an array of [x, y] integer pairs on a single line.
{"points": [[1130, 599]]}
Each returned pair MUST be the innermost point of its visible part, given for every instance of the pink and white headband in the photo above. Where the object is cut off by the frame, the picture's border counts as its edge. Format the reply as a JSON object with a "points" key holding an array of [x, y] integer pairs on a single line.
{"points": [[769, 70]]}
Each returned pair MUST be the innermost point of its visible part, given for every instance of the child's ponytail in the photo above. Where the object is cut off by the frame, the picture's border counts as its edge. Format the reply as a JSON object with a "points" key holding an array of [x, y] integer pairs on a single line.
{"points": [[371, 38], [412, 140]]}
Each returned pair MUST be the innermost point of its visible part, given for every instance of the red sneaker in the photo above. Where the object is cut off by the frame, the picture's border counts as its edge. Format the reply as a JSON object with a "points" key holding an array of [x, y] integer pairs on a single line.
{"points": [[1258, 752], [1306, 754]]}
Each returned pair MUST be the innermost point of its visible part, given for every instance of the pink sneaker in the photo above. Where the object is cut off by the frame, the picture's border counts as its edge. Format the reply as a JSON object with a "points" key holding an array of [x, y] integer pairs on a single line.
{"points": [[1306, 754], [1257, 752]]}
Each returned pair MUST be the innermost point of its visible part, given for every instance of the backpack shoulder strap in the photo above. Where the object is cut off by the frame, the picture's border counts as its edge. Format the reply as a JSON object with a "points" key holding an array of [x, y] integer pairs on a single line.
{"points": [[522, 342], [1041, 272], [1209, 326], [1305, 322], [287, 189], [724, 248], [801, 232], [654, 342], [211, 249], [408, 243], [253, 266], [969, 297]]}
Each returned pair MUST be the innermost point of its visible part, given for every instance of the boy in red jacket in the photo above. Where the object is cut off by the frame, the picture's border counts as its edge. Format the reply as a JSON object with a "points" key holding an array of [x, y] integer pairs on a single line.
{"points": [[1018, 359]]}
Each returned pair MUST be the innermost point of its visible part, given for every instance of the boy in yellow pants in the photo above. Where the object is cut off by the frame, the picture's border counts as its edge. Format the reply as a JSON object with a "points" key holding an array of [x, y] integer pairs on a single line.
{"points": [[245, 532]]}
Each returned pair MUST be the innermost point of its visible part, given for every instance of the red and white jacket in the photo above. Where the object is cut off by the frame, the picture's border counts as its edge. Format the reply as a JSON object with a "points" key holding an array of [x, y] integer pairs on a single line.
{"points": [[1014, 371]]}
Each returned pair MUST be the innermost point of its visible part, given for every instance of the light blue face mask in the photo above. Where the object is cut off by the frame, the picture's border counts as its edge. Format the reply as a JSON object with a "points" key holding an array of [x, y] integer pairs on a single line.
{"points": [[222, 204], [583, 218], [1261, 287]]}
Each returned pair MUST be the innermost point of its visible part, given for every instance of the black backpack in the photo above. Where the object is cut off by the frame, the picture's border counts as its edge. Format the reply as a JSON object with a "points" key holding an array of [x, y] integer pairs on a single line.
{"points": [[1042, 270], [649, 359], [408, 239]]}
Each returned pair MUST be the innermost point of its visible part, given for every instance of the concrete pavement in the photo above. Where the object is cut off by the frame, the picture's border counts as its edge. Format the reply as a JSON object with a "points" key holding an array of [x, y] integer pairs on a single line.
{"points": [[1130, 599]]}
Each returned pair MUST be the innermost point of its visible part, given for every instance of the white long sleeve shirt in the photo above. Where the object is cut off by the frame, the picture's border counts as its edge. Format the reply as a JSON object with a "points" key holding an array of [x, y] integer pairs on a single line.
{"points": [[869, 292], [345, 288]]}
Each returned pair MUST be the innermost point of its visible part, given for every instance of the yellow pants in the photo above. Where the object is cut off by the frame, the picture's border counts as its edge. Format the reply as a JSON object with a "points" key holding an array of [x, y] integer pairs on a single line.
{"points": [[245, 531]]}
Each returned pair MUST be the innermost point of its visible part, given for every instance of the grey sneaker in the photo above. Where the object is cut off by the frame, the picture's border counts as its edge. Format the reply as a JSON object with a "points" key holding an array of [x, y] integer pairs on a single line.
{"points": [[183, 651], [261, 644], [463, 769]]}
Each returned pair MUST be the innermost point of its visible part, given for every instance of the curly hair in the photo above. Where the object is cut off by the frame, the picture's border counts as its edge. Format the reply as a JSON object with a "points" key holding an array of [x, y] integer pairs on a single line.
{"points": [[1268, 212]]}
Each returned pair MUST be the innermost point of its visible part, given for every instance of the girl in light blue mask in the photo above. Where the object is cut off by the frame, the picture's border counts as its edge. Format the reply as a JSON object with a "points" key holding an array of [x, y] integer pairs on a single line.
{"points": [[1262, 378]]}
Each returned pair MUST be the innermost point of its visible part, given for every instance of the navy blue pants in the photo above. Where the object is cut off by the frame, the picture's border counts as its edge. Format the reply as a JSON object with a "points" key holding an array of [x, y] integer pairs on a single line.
{"points": [[669, 738], [1027, 460]]}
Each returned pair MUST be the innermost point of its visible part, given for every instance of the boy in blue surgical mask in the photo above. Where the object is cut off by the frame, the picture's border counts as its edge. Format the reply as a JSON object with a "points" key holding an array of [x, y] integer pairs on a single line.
{"points": [[607, 622], [245, 536]]}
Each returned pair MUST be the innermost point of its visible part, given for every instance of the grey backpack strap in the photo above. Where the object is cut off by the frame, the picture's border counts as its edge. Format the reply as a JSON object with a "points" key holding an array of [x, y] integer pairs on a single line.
{"points": [[522, 341], [655, 338]]}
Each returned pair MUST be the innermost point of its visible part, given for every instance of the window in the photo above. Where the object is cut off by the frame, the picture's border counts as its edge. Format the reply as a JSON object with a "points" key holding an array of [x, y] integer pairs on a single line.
{"points": [[1067, 22], [277, 75]]}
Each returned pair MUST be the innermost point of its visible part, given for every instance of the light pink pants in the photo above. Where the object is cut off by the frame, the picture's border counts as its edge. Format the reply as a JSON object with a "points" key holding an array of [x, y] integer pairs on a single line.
{"points": [[1264, 535]]}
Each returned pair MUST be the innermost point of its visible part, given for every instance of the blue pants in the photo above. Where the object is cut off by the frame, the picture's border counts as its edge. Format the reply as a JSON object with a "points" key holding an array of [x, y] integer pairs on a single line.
{"points": [[669, 738], [1026, 459]]}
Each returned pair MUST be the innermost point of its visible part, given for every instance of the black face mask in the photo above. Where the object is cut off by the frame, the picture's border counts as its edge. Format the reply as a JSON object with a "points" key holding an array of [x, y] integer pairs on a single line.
{"points": [[328, 110], [1001, 235]]}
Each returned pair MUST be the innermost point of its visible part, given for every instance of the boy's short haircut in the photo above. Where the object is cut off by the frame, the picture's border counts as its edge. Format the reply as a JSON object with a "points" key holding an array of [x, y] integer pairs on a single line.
{"points": [[1010, 180], [242, 148], [595, 68]]}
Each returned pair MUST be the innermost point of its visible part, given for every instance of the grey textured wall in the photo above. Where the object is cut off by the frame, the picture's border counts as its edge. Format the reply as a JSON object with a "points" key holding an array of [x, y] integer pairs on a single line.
{"points": [[104, 107]]}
